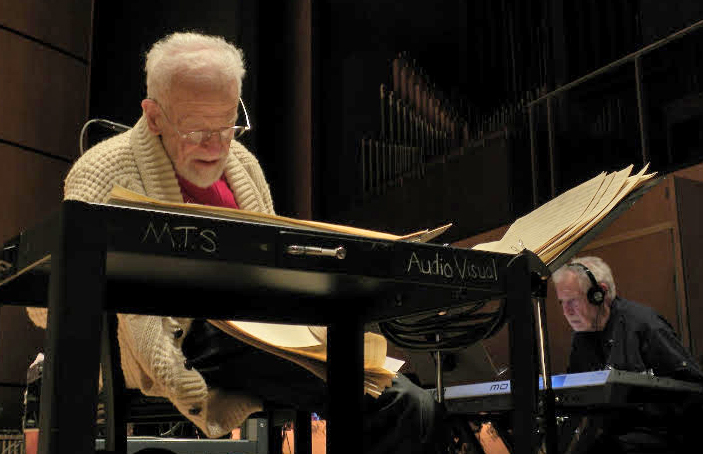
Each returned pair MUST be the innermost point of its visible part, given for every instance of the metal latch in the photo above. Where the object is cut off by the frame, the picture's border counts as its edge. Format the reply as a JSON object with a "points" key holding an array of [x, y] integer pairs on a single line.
{"points": [[339, 252]]}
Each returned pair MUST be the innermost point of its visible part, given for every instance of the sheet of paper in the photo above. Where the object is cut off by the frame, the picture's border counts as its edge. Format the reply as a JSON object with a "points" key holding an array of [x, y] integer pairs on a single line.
{"points": [[632, 183], [123, 196], [556, 225], [291, 336], [616, 184], [536, 228], [393, 364]]}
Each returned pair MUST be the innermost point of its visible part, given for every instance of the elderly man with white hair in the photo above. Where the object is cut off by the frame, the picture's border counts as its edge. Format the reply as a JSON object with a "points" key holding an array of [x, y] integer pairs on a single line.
{"points": [[183, 149], [611, 332]]}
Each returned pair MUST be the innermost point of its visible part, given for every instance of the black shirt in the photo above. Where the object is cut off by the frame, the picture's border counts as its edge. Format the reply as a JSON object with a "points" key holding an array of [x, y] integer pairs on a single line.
{"points": [[636, 339]]}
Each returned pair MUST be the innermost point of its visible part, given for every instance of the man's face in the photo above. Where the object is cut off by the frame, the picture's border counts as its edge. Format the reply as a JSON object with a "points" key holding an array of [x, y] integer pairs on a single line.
{"points": [[194, 108], [581, 315]]}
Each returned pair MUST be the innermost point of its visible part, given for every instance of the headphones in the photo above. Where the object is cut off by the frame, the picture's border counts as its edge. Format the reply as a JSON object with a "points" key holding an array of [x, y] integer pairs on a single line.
{"points": [[595, 295]]}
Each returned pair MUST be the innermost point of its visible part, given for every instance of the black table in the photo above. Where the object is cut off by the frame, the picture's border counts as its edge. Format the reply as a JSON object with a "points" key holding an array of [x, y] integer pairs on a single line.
{"points": [[93, 258]]}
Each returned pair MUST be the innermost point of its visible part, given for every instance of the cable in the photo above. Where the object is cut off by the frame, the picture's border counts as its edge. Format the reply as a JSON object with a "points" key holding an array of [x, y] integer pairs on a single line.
{"points": [[117, 127], [459, 330], [172, 430]]}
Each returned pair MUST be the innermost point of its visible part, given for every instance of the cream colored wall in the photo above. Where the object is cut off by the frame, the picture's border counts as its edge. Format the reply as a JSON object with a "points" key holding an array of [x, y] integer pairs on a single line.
{"points": [[44, 74]]}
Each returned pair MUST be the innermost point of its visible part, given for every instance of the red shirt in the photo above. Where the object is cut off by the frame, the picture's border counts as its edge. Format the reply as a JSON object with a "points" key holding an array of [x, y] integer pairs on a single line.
{"points": [[217, 194]]}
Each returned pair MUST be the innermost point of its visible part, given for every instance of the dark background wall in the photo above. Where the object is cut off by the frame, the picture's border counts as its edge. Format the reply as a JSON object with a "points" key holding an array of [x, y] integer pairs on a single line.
{"points": [[44, 71], [359, 40], [516, 53], [315, 68], [122, 38]]}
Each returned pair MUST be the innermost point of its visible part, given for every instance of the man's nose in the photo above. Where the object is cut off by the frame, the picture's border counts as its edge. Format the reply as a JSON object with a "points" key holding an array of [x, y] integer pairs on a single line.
{"points": [[212, 142]]}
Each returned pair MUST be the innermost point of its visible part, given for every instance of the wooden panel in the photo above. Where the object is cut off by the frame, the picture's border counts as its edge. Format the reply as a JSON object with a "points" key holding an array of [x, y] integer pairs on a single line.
{"points": [[654, 208], [43, 96], [692, 173], [689, 196], [643, 269], [32, 186], [65, 24]]}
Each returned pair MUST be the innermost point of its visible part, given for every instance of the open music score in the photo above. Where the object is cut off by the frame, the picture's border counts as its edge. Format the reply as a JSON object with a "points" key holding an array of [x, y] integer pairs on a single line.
{"points": [[301, 346], [125, 197], [550, 229]]}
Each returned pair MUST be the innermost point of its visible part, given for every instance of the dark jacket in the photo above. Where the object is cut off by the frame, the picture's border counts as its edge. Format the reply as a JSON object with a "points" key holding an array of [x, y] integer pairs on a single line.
{"points": [[636, 339]]}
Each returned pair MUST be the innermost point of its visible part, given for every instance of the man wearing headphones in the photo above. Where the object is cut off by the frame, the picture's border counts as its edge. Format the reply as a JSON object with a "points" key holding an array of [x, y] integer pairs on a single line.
{"points": [[612, 332]]}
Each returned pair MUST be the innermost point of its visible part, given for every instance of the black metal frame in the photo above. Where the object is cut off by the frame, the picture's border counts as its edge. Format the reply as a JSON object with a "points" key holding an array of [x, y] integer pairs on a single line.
{"points": [[85, 241]]}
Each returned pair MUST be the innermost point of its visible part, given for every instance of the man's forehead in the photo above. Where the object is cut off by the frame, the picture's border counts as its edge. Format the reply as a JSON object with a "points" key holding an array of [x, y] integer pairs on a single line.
{"points": [[196, 112], [569, 284], [202, 83], [191, 112], [219, 99]]}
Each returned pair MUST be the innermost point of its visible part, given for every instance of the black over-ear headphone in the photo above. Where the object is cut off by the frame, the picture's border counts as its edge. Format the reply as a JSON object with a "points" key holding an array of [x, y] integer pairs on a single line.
{"points": [[595, 294]]}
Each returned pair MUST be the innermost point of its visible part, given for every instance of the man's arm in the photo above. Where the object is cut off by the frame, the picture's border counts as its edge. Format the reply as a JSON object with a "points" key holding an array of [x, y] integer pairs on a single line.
{"points": [[663, 352]]}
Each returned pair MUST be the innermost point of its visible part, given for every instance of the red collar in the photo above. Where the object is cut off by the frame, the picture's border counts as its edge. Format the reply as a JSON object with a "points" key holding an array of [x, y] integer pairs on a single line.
{"points": [[217, 194]]}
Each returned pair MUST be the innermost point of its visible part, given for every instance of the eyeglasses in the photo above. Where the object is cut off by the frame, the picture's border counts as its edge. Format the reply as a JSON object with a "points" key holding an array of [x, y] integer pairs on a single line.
{"points": [[199, 137]]}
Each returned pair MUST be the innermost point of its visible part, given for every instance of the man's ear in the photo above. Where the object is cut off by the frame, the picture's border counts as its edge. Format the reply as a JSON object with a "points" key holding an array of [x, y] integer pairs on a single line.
{"points": [[603, 286], [152, 112]]}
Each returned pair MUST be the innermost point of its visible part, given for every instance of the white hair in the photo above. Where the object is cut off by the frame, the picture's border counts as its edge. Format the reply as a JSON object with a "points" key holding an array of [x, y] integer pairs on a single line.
{"points": [[600, 270], [194, 57]]}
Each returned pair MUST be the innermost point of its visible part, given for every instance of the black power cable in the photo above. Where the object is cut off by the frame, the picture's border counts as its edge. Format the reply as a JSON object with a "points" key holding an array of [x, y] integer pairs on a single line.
{"points": [[445, 331]]}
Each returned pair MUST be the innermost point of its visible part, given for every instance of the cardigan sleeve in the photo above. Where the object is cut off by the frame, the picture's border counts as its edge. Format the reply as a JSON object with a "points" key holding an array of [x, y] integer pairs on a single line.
{"points": [[94, 175], [158, 368]]}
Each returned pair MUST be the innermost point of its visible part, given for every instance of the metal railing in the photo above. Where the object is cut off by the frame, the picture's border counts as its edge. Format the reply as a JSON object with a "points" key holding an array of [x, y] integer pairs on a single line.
{"points": [[635, 57], [11, 443]]}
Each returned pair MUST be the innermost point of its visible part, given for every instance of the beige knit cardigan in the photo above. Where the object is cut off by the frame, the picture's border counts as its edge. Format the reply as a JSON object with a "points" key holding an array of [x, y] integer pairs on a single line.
{"points": [[152, 359]]}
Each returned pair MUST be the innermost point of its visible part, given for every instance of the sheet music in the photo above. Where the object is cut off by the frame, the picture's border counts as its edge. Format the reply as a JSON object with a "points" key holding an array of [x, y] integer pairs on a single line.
{"points": [[553, 227], [605, 183], [632, 183], [615, 183], [124, 197], [534, 229]]}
